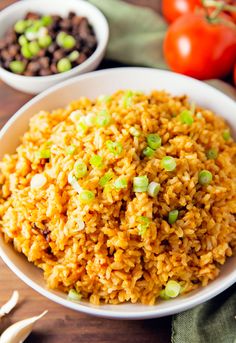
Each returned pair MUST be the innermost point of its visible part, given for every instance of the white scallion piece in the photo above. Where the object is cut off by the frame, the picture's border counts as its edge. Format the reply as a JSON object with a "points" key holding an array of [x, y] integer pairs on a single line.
{"points": [[74, 183]]}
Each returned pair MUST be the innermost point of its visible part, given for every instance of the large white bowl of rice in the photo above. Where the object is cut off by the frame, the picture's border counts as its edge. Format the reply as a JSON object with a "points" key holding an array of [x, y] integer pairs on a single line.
{"points": [[118, 193]]}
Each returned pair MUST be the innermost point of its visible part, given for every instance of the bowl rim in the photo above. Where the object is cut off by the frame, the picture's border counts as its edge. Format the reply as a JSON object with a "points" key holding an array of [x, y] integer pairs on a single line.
{"points": [[99, 311], [101, 45]]}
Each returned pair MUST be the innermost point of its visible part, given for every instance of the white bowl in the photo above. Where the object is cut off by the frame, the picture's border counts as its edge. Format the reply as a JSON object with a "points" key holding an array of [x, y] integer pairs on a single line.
{"points": [[92, 85], [36, 84]]}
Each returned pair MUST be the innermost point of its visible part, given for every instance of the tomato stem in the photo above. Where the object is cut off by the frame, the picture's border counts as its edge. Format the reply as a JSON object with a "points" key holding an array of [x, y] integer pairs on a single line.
{"points": [[221, 5]]}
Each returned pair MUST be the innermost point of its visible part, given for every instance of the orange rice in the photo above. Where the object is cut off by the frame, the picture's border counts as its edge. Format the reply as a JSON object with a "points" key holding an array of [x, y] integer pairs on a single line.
{"points": [[96, 247]]}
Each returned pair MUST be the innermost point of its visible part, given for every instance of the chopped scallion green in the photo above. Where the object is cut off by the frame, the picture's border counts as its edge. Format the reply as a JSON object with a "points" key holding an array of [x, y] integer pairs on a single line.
{"points": [[154, 141], [103, 118], [153, 188], [148, 152], [105, 179], [212, 154], [186, 117], [96, 161], [86, 196], [70, 150], [173, 216], [114, 147], [226, 135], [204, 177], [120, 183], [140, 183], [80, 169], [168, 163], [73, 295], [172, 289]]}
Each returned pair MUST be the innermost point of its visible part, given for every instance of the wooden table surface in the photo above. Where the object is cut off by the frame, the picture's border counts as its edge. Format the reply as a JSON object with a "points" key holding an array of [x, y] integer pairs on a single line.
{"points": [[62, 325]]}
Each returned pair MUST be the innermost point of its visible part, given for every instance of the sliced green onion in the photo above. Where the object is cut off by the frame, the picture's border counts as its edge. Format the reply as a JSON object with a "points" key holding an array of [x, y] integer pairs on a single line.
{"points": [[212, 154], [154, 141], [73, 295], [153, 188], [204, 177], [140, 184], [103, 118], [114, 147], [127, 99], [17, 67], [144, 224], [80, 169], [172, 289], [134, 132], [68, 42], [226, 135], [163, 295], [43, 153], [168, 163], [46, 20], [20, 26], [82, 124], [74, 183], [22, 40], [104, 98], [86, 196], [96, 161], [149, 152], [44, 41], [63, 65], [60, 38], [70, 150], [73, 55], [186, 117], [34, 48], [120, 183], [105, 178], [173, 216], [25, 51]]}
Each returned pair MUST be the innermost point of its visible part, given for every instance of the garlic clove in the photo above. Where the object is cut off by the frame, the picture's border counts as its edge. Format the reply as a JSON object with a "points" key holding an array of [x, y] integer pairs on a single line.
{"points": [[19, 331], [10, 304]]}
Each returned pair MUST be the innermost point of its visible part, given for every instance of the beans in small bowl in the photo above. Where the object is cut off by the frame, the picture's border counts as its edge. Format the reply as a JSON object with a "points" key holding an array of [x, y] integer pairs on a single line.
{"points": [[42, 45]]}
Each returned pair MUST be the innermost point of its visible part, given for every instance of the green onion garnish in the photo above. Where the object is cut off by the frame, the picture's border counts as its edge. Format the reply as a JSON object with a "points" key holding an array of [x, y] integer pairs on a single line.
{"points": [[212, 154], [82, 124], [168, 163], [80, 169], [226, 135], [103, 118], [105, 179], [149, 152], [134, 132], [120, 183], [70, 150], [163, 295], [20, 26], [172, 289], [104, 99], [186, 117], [127, 99], [86, 196], [153, 188], [140, 183], [96, 161], [204, 177], [17, 67], [154, 141], [173, 216], [43, 153], [114, 147], [73, 295], [144, 224]]}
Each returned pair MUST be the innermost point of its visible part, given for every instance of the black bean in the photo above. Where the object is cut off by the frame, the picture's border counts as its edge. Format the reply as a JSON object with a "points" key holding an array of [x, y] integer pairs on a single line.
{"points": [[13, 50], [44, 62], [45, 72], [58, 54], [53, 68], [32, 16], [53, 47], [71, 15], [33, 66]]}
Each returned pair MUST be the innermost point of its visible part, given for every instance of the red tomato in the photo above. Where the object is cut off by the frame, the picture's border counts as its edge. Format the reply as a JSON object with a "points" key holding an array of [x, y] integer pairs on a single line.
{"points": [[200, 49], [172, 9], [235, 74]]}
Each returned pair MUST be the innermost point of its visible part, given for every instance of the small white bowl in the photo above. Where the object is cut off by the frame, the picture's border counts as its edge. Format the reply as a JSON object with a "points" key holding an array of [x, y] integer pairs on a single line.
{"points": [[36, 84], [92, 85]]}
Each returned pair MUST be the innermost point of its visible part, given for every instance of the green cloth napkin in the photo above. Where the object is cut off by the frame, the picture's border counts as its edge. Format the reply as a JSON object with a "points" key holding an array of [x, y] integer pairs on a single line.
{"points": [[136, 37]]}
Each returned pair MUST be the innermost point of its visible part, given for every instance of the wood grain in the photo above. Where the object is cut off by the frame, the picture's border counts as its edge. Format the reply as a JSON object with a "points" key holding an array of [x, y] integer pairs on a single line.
{"points": [[62, 325]]}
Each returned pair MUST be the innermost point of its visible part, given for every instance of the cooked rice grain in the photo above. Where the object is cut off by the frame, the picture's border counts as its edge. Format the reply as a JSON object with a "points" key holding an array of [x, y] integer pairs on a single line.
{"points": [[96, 247]]}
